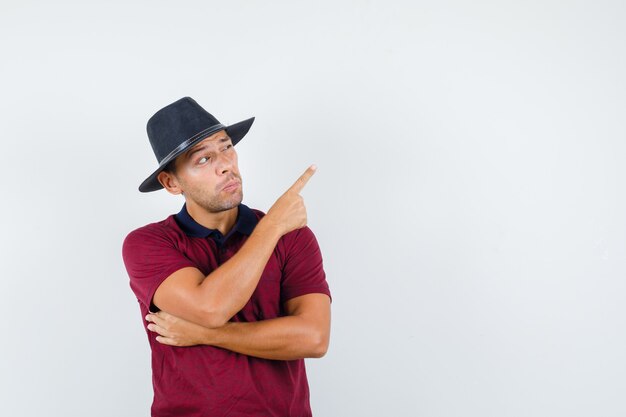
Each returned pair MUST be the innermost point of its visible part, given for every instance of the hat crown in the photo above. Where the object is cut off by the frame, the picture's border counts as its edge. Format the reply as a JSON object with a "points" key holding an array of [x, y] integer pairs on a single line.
{"points": [[176, 123]]}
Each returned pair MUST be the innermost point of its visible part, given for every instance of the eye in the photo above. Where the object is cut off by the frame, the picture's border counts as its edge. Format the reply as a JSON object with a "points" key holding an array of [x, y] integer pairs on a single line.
{"points": [[203, 160], [228, 147]]}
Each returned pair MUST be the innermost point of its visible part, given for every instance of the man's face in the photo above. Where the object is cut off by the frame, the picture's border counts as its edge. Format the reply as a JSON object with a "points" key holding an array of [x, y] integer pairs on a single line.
{"points": [[208, 174]]}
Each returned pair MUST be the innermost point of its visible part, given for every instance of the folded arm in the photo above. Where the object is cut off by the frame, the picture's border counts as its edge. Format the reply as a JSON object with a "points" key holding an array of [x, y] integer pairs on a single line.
{"points": [[303, 333], [212, 300]]}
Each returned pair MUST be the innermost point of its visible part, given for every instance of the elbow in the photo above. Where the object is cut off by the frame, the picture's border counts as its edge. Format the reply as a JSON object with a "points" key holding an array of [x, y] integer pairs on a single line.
{"points": [[319, 344], [213, 318], [318, 353]]}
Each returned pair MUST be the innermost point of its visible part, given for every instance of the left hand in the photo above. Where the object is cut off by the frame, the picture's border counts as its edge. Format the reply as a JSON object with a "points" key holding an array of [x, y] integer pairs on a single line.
{"points": [[175, 331]]}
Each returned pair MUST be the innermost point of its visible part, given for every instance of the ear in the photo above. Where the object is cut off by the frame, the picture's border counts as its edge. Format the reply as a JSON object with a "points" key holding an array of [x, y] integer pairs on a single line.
{"points": [[169, 182]]}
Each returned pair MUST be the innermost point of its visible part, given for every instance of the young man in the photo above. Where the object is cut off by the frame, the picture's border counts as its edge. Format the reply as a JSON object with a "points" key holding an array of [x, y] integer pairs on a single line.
{"points": [[233, 299]]}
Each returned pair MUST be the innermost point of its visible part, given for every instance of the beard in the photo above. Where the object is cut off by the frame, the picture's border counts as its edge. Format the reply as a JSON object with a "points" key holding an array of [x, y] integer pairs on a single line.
{"points": [[217, 201]]}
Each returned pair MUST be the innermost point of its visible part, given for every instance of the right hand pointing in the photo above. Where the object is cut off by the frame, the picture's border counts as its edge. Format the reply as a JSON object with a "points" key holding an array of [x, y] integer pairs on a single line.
{"points": [[288, 212]]}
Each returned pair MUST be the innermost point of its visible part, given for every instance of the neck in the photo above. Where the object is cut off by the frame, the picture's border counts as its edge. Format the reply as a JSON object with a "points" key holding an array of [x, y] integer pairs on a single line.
{"points": [[222, 221]]}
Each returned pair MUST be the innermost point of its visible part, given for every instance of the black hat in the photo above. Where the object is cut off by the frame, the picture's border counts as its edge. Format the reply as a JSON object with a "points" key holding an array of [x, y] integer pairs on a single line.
{"points": [[177, 127]]}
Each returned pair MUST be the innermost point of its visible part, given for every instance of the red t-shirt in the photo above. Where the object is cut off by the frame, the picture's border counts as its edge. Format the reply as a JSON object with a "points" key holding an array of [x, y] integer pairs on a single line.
{"points": [[206, 380]]}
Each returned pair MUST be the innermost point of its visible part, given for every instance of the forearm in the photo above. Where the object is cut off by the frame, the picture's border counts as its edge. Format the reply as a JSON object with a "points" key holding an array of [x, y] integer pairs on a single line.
{"points": [[228, 288], [283, 338], [303, 333], [214, 299]]}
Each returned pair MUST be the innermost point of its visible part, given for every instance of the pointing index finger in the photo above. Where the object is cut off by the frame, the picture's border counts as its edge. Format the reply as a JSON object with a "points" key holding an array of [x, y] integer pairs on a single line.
{"points": [[304, 178]]}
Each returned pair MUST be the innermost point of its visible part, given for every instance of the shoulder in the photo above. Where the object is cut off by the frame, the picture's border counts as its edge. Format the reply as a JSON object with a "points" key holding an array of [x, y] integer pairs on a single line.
{"points": [[300, 242], [164, 232]]}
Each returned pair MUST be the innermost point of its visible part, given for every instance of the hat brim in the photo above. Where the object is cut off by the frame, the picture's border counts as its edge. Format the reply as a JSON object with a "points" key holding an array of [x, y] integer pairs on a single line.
{"points": [[236, 132]]}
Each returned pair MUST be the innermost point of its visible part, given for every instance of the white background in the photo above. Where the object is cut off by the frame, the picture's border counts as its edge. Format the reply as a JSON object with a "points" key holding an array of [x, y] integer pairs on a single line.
{"points": [[469, 200]]}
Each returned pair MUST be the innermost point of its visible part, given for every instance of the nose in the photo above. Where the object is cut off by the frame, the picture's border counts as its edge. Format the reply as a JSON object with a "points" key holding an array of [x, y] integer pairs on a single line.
{"points": [[224, 164]]}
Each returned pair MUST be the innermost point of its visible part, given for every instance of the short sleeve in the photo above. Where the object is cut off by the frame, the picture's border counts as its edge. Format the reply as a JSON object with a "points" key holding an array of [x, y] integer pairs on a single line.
{"points": [[150, 256], [303, 270]]}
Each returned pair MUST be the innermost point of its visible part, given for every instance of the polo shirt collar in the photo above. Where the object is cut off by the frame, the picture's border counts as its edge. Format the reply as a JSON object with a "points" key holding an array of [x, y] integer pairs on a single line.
{"points": [[245, 224]]}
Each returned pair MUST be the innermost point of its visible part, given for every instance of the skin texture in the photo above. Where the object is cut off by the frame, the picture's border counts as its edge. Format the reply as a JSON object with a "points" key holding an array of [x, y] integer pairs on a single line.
{"points": [[201, 174], [194, 308], [300, 334]]}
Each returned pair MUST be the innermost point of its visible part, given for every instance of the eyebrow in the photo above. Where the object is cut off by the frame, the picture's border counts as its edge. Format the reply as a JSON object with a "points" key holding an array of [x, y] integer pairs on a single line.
{"points": [[191, 151]]}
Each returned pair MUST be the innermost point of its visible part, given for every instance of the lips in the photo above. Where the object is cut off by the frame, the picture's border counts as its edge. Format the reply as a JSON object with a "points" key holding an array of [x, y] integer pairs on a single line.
{"points": [[230, 185]]}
